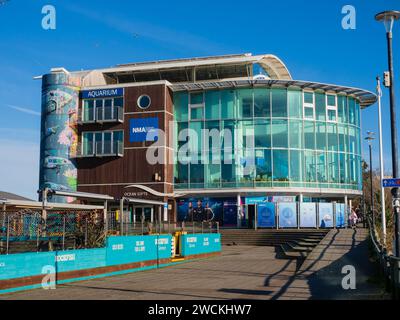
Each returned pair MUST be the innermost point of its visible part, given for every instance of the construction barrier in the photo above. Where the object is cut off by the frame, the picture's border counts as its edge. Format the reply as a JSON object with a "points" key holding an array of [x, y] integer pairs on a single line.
{"points": [[122, 254]]}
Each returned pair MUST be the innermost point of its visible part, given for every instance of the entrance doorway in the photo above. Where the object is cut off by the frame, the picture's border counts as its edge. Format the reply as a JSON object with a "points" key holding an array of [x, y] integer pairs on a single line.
{"points": [[251, 211], [143, 213]]}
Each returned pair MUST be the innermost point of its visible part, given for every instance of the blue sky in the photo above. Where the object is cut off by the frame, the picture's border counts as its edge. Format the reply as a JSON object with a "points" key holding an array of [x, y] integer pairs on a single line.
{"points": [[306, 35]]}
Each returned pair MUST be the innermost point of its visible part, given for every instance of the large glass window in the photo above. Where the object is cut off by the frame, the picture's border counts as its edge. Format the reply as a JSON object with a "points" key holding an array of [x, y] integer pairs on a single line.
{"points": [[280, 165], [102, 143], [196, 106], [295, 103], [352, 140], [245, 103], [262, 102], [320, 107], [333, 167], [308, 105], [228, 110], [296, 134], [309, 135], [212, 104], [88, 111], [108, 109], [279, 103], [331, 108], [320, 135], [352, 110], [309, 166], [181, 102], [321, 167], [279, 133], [342, 109], [332, 136], [262, 133], [343, 168], [296, 165], [263, 165]]}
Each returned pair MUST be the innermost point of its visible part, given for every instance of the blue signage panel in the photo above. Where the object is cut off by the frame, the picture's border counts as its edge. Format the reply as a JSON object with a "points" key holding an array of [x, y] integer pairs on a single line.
{"points": [[326, 215], [200, 243], [340, 215], [102, 93], [308, 215], [391, 183], [287, 215], [266, 215], [143, 129]]}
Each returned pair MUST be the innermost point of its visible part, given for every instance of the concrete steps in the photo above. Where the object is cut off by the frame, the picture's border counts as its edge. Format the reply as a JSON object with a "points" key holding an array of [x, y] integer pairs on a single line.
{"points": [[292, 243]]}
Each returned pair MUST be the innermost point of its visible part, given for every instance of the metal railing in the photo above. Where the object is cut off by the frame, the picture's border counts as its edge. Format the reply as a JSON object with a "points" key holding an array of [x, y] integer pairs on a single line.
{"points": [[123, 226], [389, 264]]}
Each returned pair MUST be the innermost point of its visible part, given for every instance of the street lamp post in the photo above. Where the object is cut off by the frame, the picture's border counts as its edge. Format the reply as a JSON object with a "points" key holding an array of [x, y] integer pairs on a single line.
{"points": [[383, 205], [388, 18], [370, 138]]}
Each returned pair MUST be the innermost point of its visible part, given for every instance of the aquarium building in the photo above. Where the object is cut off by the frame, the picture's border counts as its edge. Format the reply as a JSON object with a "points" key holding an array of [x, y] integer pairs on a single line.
{"points": [[141, 132]]}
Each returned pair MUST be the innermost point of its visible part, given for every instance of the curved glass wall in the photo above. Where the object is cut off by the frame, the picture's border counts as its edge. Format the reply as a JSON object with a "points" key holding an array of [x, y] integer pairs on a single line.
{"points": [[267, 137]]}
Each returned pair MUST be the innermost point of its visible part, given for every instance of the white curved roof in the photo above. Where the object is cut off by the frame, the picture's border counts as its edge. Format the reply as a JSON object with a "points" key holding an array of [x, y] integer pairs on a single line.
{"points": [[275, 68]]}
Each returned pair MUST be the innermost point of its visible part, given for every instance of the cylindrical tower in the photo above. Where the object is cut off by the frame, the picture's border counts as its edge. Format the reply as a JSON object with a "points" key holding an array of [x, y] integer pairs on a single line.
{"points": [[58, 142]]}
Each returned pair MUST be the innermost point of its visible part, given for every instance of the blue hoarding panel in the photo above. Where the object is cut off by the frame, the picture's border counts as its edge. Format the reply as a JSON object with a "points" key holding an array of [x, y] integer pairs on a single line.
{"points": [[287, 215], [266, 215], [193, 244], [130, 249], [80, 259], [143, 129], [341, 215], [308, 215], [102, 93], [326, 215], [22, 265]]}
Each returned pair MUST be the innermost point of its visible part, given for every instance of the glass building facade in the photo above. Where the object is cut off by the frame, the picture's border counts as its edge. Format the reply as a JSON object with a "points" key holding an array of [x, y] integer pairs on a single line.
{"points": [[280, 137]]}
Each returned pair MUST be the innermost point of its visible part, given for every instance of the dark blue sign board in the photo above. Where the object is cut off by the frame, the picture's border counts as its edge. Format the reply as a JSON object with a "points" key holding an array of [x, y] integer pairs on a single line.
{"points": [[391, 183], [143, 129], [102, 93]]}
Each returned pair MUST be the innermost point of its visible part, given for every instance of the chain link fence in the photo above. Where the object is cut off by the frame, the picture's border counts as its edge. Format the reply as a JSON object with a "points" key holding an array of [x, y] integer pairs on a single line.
{"points": [[27, 231]]}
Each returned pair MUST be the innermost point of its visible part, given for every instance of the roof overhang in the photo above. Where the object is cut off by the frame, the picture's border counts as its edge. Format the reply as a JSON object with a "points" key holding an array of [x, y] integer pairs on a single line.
{"points": [[365, 97]]}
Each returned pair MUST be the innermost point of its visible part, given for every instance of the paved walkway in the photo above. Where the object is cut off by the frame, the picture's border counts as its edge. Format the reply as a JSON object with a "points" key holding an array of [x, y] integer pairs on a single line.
{"points": [[239, 273]]}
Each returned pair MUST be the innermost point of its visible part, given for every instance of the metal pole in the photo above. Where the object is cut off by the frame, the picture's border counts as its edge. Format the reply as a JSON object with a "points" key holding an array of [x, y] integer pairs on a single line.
{"points": [[372, 187], [395, 191], [8, 234], [383, 205], [63, 238], [121, 214]]}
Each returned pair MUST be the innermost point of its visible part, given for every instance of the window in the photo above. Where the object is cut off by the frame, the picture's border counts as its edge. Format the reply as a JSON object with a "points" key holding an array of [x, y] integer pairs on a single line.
{"points": [[88, 111], [279, 103], [280, 165], [197, 106], [102, 143], [295, 165], [308, 105], [320, 107], [181, 100], [263, 165], [103, 110], [262, 133], [294, 103], [228, 104], [262, 101], [331, 108], [212, 104], [280, 133], [295, 134], [245, 103], [144, 102]]}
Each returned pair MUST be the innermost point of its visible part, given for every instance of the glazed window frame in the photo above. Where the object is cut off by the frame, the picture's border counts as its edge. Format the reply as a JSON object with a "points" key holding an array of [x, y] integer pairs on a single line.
{"points": [[308, 105]]}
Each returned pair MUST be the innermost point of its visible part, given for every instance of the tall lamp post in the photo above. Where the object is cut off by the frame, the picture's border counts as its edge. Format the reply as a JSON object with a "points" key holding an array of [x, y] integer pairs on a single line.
{"points": [[388, 18], [370, 138], [383, 205]]}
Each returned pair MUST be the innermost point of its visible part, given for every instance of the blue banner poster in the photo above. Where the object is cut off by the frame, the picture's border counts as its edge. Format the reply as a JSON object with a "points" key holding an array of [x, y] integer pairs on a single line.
{"points": [[287, 215], [266, 215], [230, 215], [340, 215], [308, 215], [326, 215]]}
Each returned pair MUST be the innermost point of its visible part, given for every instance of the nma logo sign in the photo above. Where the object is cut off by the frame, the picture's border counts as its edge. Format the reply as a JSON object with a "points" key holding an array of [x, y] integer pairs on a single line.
{"points": [[145, 129]]}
